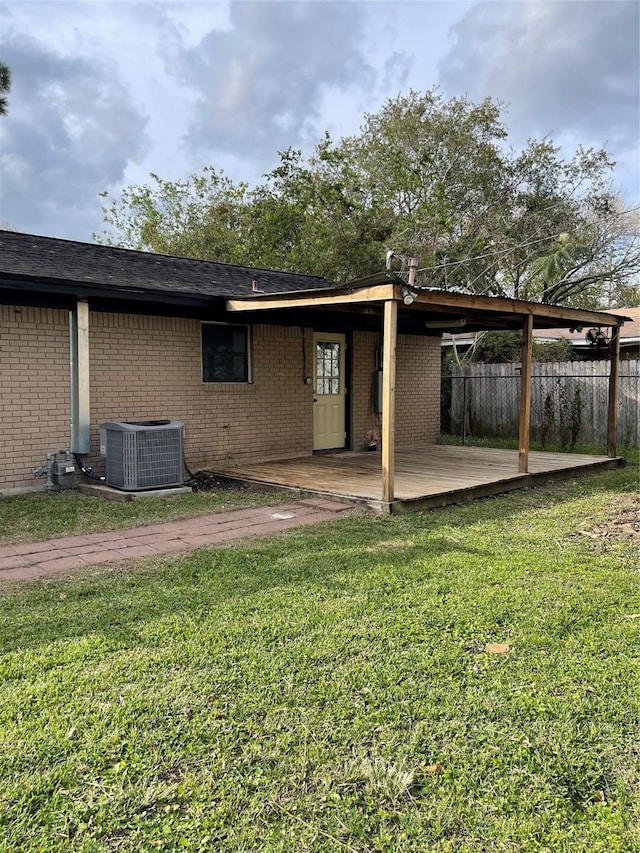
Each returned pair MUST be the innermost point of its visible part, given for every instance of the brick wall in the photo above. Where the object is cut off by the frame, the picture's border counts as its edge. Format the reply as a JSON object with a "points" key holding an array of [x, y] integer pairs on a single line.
{"points": [[34, 390], [150, 367], [417, 389], [362, 377]]}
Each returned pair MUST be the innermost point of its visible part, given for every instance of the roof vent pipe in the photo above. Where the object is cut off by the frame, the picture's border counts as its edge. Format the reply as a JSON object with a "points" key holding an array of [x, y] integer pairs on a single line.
{"points": [[79, 373]]}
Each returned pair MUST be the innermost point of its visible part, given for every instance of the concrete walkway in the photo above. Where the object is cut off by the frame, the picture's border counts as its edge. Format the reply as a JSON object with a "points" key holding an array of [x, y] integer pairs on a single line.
{"points": [[64, 555]]}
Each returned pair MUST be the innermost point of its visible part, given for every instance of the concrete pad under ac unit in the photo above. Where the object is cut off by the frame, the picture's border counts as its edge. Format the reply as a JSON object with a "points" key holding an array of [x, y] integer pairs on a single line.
{"points": [[99, 490]]}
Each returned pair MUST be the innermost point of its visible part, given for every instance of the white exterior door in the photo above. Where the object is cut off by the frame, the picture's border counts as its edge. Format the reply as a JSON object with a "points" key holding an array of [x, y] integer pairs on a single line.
{"points": [[329, 391]]}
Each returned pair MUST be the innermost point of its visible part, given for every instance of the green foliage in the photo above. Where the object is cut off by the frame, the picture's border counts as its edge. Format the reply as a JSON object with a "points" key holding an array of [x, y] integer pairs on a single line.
{"points": [[5, 86], [204, 216], [432, 168], [548, 420], [506, 347], [497, 348], [560, 350], [425, 176], [329, 690], [570, 415], [576, 416]]}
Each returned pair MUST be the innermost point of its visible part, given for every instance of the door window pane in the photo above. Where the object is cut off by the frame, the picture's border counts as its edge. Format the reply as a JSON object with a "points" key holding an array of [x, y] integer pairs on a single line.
{"points": [[327, 367]]}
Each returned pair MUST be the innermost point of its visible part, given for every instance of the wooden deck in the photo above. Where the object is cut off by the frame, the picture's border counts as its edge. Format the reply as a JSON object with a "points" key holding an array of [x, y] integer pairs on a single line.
{"points": [[424, 476]]}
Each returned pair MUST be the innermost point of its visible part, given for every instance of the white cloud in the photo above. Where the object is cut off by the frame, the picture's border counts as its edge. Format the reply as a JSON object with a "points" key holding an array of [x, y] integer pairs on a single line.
{"points": [[107, 91], [260, 83], [565, 69], [71, 129]]}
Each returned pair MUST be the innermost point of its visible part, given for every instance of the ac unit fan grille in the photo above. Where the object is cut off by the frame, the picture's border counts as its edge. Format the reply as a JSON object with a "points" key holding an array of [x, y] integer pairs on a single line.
{"points": [[144, 458]]}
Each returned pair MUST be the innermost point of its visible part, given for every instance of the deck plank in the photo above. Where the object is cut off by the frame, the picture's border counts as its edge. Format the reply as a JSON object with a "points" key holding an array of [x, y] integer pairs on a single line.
{"points": [[419, 472]]}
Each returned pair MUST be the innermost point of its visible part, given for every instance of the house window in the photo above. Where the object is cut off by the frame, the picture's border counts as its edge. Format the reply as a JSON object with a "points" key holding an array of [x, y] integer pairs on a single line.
{"points": [[225, 353]]}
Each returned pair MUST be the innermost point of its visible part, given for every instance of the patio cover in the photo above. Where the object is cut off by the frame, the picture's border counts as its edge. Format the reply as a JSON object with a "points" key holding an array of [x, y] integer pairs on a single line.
{"points": [[387, 301]]}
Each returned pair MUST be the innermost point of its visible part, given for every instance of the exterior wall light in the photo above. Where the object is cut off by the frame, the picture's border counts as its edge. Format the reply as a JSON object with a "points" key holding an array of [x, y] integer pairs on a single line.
{"points": [[408, 296]]}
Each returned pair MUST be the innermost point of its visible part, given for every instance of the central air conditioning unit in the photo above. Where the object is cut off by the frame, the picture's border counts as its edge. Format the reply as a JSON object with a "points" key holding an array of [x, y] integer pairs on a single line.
{"points": [[143, 454]]}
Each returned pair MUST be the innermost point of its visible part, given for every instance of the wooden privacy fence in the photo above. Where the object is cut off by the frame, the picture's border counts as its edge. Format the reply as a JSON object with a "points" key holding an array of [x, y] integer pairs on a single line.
{"points": [[569, 402]]}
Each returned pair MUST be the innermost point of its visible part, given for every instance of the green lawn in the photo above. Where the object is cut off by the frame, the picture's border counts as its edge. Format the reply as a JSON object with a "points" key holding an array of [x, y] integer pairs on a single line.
{"points": [[330, 689], [42, 515]]}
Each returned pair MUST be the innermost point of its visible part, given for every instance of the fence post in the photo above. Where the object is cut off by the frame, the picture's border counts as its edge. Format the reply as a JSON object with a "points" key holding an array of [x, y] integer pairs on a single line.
{"points": [[464, 409], [524, 417], [613, 390]]}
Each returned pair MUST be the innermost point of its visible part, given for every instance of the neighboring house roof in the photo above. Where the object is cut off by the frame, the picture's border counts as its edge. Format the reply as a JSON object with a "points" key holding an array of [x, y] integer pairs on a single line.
{"points": [[629, 332], [66, 266]]}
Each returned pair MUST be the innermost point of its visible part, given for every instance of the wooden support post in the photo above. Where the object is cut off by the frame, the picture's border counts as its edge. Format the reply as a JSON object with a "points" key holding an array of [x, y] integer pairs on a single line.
{"points": [[524, 420], [389, 398], [614, 374]]}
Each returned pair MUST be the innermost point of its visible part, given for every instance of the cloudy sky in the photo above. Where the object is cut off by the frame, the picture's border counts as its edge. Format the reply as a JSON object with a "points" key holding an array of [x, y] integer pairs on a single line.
{"points": [[107, 91]]}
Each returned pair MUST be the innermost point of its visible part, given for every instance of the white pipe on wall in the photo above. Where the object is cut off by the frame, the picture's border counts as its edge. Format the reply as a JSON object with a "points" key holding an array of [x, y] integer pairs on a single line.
{"points": [[79, 355]]}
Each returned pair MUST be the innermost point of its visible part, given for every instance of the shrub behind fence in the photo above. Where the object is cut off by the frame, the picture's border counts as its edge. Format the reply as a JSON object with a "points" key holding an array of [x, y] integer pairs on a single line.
{"points": [[569, 402]]}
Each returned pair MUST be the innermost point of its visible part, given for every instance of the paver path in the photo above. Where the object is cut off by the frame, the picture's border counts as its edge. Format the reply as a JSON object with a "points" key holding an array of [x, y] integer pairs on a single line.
{"points": [[61, 555]]}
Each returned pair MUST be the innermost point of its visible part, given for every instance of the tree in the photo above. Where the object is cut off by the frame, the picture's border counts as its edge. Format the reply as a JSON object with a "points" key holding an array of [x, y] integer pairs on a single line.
{"points": [[572, 239], [497, 347], [5, 86], [199, 217], [425, 176], [598, 262]]}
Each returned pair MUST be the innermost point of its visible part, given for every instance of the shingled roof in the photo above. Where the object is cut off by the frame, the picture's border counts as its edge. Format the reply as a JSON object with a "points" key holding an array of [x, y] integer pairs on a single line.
{"points": [[69, 266], [629, 333]]}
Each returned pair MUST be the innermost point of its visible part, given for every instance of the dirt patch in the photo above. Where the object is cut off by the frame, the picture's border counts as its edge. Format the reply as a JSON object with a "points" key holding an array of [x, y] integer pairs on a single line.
{"points": [[624, 525], [209, 481]]}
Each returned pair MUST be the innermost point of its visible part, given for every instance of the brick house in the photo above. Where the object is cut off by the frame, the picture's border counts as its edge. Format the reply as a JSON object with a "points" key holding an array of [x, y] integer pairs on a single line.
{"points": [[153, 326], [259, 365]]}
